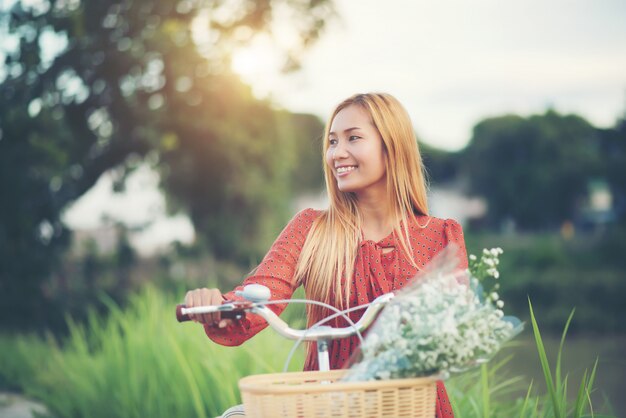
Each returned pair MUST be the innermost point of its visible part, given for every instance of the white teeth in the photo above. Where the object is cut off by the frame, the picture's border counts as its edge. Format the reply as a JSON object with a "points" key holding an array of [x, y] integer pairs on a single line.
{"points": [[345, 169]]}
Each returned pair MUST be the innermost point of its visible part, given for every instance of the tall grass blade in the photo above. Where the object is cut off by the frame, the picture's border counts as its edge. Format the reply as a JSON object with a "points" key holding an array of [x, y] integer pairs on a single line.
{"points": [[484, 378], [536, 413], [592, 379], [545, 366], [561, 385], [560, 352], [522, 413], [563, 390], [507, 386], [580, 397], [475, 407], [590, 405]]}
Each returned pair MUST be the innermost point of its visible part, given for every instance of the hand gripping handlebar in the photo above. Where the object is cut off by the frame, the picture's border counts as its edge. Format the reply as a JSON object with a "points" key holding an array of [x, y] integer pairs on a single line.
{"points": [[238, 310]]}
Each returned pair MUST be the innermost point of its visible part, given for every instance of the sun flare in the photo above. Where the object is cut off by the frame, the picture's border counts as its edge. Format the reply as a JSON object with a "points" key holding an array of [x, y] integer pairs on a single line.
{"points": [[256, 62], [249, 61]]}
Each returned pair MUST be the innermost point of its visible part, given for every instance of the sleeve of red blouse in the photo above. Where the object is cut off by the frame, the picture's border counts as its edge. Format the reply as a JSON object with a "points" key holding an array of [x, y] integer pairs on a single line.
{"points": [[453, 233], [276, 271]]}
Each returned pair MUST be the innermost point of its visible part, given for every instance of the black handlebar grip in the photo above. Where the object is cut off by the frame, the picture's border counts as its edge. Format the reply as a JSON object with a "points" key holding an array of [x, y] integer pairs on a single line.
{"points": [[179, 314], [236, 314]]}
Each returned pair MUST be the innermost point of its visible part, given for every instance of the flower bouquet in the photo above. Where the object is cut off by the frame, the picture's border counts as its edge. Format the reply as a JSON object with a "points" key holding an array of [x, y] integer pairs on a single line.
{"points": [[443, 322]]}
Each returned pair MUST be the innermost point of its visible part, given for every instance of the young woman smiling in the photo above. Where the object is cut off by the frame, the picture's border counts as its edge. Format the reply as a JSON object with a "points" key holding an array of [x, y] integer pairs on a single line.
{"points": [[374, 237]]}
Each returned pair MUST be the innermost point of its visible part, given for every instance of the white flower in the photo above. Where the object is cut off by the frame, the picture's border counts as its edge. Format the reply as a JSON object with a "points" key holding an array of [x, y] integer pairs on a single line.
{"points": [[500, 304], [472, 257]]}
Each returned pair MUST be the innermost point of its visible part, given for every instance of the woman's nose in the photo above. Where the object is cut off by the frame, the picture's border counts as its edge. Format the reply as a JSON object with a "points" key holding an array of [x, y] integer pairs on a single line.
{"points": [[340, 151]]}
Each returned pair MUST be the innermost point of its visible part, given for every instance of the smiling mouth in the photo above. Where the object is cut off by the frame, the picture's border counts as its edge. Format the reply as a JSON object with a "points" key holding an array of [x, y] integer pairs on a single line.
{"points": [[343, 170]]}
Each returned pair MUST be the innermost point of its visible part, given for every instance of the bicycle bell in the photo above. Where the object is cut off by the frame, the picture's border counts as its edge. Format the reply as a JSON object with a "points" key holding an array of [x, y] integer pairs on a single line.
{"points": [[255, 293]]}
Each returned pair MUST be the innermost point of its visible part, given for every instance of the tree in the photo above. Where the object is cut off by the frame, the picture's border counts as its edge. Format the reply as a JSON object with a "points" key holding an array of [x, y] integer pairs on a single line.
{"points": [[533, 170], [130, 82], [441, 166]]}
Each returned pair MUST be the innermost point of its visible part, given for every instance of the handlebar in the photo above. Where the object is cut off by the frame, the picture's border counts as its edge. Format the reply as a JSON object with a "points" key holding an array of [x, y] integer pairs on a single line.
{"points": [[238, 310], [228, 310]]}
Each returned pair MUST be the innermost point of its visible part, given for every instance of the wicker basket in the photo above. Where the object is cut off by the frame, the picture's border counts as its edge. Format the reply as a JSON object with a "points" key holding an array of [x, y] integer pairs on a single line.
{"points": [[317, 394]]}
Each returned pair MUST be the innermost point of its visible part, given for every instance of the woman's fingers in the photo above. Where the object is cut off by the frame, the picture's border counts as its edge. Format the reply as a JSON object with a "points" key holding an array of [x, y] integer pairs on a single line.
{"points": [[203, 300], [204, 297], [213, 297]]}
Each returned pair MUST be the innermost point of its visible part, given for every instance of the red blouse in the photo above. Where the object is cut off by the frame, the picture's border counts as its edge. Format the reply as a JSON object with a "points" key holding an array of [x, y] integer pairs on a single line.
{"points": [[375, 273]]}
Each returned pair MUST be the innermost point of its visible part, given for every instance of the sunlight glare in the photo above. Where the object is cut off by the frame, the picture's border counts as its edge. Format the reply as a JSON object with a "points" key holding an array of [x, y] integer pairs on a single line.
{"points": [[257, 63], [248, 62]]}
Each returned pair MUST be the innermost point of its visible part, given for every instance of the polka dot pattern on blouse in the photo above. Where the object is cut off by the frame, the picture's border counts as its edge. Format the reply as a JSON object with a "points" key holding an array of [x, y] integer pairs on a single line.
{"points": [[380, 267]]}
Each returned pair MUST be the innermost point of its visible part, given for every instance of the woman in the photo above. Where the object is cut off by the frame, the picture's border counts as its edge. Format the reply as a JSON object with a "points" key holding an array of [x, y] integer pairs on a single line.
{"points": [[374, 237]]}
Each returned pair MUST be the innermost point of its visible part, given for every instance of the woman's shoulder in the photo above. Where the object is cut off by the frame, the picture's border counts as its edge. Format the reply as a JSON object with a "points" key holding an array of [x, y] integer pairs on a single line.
{"points": [[305, 218], [433, 224], [438, 233], [308, 215]]}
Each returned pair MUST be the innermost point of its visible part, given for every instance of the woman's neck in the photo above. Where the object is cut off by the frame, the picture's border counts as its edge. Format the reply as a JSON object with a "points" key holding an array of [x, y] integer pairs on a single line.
{"points": [[376, 217]]}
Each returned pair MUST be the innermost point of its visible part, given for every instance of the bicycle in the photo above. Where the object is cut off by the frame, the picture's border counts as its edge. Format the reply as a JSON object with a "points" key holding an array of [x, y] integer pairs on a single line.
{"points": [[318, 393]]}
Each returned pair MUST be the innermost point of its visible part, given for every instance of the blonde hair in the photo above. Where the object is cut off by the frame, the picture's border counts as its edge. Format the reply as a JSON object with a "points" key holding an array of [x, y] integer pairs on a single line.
{"points": [[326, 263]]}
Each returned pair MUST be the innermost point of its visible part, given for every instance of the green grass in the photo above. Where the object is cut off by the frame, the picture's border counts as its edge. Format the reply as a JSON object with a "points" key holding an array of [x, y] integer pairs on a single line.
{"points": [[487, 391], [136, 363], [558, 405], [490, 390], [139, 362]]}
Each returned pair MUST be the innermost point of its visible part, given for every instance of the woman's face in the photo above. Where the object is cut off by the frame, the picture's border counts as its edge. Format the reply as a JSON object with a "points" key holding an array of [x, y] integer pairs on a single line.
{"points": [[355, 152]]}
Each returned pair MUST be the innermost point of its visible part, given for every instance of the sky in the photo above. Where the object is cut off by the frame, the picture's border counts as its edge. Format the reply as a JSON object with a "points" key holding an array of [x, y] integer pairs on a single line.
{"points": [[453, 63], [450, 62]]}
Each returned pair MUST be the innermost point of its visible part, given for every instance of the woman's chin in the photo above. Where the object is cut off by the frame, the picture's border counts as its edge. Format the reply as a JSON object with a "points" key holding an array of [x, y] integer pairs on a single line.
{"points": [[347, 188]]}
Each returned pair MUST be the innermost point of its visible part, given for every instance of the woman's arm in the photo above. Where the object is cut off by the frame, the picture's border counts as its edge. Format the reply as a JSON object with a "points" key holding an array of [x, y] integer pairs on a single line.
{"points": [[276, 272]]}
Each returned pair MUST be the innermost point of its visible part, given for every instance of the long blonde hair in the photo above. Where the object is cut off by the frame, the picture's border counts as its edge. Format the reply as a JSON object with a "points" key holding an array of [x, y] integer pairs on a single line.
{"points": [[326, 263]]}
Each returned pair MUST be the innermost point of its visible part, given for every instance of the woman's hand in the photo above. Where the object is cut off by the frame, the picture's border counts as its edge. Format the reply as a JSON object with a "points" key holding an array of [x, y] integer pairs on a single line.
{"points": [[205, 297]]}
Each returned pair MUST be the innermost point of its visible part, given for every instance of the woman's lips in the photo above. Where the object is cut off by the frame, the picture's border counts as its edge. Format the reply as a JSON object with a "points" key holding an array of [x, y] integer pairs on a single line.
{"points": [[345, 170]]}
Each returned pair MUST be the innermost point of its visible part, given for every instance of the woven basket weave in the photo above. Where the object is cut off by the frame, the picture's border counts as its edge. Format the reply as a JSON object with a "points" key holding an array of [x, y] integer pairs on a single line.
{"points": [[319, 395]]}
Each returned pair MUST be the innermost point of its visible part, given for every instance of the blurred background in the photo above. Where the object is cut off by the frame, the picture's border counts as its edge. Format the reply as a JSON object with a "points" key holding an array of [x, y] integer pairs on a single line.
{"points": [[158, 146]]}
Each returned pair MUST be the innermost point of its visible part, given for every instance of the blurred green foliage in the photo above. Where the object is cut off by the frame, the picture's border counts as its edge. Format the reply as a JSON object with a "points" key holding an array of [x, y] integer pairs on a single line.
{"points": [[79, 280], [584, 272], [237, 186], [536, 171], [441, 166], [136, 81]]}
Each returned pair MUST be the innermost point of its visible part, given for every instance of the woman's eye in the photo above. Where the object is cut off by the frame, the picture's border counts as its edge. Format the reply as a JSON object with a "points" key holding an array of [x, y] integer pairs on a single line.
{"points": [[353, 137], [332, 141]]}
